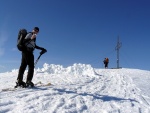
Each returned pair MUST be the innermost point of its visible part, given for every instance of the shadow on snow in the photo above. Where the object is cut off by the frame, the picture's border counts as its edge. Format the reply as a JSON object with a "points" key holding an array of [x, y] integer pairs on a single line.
{"points": [[96, 96]]}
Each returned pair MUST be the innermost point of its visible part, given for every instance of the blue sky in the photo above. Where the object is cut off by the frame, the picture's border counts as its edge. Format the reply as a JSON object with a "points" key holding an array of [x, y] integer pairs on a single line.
{"points": [[78, 31]]}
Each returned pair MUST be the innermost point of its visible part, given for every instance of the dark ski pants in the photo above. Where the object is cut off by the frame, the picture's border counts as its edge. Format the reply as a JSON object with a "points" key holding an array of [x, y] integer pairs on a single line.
{"points": [[27, 60], [106, 65]]}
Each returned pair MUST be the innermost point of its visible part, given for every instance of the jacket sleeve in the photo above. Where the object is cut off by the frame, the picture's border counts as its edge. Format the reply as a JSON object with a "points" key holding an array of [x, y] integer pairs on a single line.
{"points": [[27, 38], [37, 47]]}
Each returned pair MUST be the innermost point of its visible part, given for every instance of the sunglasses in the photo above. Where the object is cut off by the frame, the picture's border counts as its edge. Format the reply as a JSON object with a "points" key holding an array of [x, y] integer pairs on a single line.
{"points": [[36, 31]]}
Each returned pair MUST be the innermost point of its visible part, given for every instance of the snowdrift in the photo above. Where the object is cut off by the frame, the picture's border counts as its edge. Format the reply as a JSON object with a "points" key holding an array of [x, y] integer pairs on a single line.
{"points": [[78, 89]]}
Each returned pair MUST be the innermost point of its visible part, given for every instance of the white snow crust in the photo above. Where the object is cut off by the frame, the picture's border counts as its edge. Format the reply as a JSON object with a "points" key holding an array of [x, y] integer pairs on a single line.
{"points": [[79, 88]]}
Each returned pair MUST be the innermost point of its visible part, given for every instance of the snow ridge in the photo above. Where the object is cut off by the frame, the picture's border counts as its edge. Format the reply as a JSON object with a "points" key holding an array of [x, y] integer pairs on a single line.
{"points": [[76, 69]]}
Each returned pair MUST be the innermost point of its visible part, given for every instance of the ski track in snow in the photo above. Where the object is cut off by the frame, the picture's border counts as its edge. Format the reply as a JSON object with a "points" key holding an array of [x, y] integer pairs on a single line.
{"points": [[78, 89]]}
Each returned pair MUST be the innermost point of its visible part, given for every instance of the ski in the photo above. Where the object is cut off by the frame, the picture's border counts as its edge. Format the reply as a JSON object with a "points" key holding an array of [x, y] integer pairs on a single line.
{"points": [[36, 85]]}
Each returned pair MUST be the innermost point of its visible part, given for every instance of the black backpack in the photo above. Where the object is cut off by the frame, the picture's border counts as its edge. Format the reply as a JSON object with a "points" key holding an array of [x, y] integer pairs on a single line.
{"points": [[21, 35]]}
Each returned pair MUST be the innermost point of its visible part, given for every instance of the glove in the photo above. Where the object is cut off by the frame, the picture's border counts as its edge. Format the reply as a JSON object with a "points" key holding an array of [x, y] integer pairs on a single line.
{"points": [[43, 51]]}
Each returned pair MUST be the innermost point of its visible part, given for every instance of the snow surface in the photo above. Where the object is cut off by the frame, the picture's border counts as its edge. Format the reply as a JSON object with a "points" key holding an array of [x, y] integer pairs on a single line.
{"points": [[78, 89]]}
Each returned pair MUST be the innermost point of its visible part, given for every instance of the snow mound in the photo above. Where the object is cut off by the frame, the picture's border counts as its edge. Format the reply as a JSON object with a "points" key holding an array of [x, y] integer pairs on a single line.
{"points": [[76, 69]]}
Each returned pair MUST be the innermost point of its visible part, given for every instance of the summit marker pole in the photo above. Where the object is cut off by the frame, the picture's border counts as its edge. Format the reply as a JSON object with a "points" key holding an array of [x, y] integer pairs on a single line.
{"points": [[119, 44]]}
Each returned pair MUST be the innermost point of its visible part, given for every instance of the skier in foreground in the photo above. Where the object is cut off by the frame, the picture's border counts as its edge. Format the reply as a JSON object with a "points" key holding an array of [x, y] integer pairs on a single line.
{"points": [[28, 59]]}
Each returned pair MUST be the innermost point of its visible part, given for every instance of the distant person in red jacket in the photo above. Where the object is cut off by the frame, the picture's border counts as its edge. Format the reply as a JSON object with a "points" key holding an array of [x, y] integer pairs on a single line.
{"points": [[106, 61]]}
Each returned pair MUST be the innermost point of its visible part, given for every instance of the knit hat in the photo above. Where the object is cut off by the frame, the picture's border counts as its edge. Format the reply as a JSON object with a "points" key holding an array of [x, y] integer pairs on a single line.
{"points": [[36, 28]]}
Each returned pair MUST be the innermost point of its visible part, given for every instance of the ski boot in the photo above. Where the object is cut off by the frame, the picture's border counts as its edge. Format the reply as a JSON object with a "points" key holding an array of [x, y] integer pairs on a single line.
{"points": [[20, 84], [29, 84]]}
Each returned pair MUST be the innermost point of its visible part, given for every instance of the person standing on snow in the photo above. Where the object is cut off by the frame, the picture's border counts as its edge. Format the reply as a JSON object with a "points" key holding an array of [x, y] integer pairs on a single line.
{"points": [[106, 61], [28, 58]]}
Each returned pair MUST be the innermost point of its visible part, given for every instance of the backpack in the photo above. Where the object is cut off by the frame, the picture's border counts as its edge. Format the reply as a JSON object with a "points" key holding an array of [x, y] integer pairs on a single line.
{"points": [[107, 60], [21, 35]]}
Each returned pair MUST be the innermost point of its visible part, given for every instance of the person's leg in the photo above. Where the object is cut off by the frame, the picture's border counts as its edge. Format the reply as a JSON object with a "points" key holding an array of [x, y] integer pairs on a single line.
{"points": [[106, 65], [22, 68], [30, 62], [21, 72]]}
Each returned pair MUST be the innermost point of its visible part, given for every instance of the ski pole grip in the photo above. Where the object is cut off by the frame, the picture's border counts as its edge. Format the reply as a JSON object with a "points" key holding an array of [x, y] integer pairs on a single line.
{"points": [[43, 51]]}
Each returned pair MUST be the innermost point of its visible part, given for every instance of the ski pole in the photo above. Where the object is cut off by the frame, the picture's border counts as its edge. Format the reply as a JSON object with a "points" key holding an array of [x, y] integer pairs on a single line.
{"points": [[37, 60], [41, 53]]}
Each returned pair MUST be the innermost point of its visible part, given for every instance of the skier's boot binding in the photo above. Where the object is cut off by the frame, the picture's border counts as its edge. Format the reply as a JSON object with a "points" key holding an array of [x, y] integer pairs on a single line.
{"points": [[20, 84], [29, 84]]}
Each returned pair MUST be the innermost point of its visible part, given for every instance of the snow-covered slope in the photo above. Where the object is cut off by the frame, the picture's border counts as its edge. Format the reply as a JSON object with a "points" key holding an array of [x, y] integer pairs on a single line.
{"points": [[78, 89]]}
